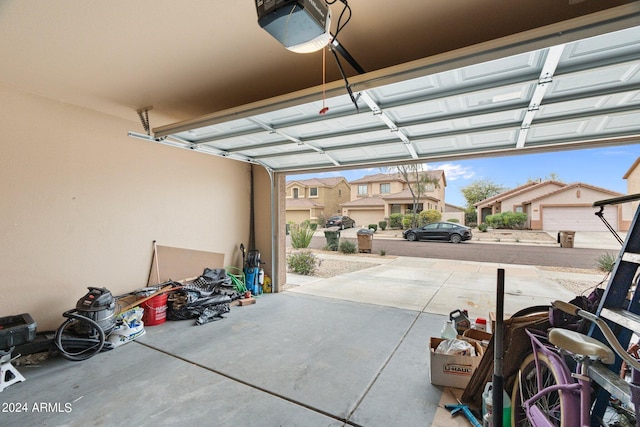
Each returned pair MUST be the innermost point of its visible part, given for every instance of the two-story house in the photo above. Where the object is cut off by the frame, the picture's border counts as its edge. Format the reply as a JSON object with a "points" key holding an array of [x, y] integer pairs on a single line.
{"points": [[315, 198], [375, 197]]}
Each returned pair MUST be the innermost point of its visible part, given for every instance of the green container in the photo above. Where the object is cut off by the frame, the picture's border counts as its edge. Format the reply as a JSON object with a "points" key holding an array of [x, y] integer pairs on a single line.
{"points": [[333, 239], [487, 398]]}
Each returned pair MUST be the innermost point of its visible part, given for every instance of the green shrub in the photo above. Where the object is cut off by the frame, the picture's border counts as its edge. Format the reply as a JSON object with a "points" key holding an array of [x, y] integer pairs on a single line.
{"points": [[373, 227], [322, 221], [507, 220], [428, 216], [301, 235], [347, 247], [383, 252], [303, 262], [483, 227], [606, 262], [395, 220], [454, 220], [407, 221], [383, 225]]}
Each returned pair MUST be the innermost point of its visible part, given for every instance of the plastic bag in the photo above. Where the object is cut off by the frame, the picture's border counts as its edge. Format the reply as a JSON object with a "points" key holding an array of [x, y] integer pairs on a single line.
{"points": [[455, 347], [129, 326]]}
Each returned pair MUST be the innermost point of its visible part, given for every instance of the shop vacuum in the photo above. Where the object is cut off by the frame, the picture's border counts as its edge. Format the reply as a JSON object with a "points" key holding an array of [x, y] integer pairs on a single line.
{"points": [[84, 332]]}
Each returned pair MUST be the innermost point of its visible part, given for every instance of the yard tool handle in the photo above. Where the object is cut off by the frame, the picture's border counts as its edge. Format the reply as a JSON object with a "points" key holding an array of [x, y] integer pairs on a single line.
{"points": [[168, 288], [466, 411], [602, 325]]}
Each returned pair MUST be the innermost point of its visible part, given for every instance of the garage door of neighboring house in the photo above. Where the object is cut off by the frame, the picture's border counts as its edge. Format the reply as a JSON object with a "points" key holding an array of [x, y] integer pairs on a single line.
{"points": [[365, 217], [577, 218], [297, 217]]}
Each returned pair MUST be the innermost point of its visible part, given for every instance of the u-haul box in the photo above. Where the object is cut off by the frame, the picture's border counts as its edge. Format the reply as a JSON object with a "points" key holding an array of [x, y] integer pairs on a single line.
{"points": [[451, 370]]}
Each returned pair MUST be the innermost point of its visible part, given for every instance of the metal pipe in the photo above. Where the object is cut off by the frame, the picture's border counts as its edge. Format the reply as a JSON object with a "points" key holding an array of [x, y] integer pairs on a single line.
{"points": [[498, 338]]}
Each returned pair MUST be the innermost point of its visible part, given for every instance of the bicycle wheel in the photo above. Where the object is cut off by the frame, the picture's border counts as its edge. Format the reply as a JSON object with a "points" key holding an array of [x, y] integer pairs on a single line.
{"points": [[78, 348], [560, 408]]}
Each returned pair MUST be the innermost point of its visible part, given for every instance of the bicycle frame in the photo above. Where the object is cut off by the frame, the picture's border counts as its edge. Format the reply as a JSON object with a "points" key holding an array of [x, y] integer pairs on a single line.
{"points": [[577, 386]]}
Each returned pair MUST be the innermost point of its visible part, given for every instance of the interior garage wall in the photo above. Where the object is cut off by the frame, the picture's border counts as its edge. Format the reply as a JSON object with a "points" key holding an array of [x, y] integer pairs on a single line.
{"points": [[82, 203]]}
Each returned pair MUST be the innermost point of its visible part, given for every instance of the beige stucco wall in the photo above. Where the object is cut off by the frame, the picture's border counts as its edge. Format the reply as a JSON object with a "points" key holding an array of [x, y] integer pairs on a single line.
{"points": [[373, 188], [509, 204], [298, 216], [577, 196], [332, 197], [633, 187], [82, 203]]}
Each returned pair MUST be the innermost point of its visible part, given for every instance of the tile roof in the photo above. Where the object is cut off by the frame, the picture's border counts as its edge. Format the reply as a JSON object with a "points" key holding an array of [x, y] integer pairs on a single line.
{"points": [[303, 202], [365, 201], [386, 177], [318, 182], [572, 186]]}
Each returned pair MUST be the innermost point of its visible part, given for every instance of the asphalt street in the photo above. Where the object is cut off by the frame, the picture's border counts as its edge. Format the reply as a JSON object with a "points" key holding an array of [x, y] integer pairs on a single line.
{"points": [[504, 253]]}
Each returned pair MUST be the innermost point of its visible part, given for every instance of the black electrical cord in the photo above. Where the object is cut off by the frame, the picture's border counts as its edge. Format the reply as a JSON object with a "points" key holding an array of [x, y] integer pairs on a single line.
{"points": [[346, 8], [336, 47]]}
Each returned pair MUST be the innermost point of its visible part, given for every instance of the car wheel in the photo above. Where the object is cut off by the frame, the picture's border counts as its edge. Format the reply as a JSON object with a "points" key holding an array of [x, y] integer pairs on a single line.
{"points": [[411, 237], [455, 238]]}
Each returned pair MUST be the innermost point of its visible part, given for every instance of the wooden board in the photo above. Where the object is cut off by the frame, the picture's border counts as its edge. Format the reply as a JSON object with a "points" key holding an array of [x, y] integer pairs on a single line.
{"points": [[177, 264]]}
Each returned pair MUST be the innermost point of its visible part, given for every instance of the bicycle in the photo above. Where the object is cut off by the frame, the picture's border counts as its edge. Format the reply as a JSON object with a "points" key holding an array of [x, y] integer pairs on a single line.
{"points": [[547, 392]]}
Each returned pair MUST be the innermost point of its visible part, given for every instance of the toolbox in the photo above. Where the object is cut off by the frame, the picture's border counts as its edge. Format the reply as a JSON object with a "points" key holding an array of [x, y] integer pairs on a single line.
{"points": [[16, 330]]}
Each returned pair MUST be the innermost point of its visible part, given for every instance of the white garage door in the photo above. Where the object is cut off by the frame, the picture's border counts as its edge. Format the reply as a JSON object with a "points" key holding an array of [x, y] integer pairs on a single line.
{"points": [[577, 218], [365, 217]]}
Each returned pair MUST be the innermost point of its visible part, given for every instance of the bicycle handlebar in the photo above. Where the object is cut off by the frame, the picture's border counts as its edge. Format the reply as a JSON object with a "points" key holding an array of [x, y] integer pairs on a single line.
{"points": [[602, 325]]}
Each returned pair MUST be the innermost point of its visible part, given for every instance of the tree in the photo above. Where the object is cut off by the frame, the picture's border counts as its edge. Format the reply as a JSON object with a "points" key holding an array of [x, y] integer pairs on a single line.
{"points": [[417, 178], [551, 177], [479, 190]]}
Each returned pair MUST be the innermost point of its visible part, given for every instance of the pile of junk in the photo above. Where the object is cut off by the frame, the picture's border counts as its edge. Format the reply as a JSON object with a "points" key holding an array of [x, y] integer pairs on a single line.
{"points": [[101, 321]]}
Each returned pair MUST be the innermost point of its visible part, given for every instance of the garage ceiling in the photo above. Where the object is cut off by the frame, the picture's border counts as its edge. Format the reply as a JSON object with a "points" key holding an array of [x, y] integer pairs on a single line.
{"points": [[579, 93], [210, 59]]}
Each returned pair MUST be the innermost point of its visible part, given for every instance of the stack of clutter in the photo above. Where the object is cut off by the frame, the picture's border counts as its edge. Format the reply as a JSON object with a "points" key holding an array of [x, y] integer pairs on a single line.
{"points": [[205, 299]]}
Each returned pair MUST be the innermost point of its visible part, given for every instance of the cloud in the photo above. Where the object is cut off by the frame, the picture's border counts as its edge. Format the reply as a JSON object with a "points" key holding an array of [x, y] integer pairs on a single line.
{"points": [[453, 171]]}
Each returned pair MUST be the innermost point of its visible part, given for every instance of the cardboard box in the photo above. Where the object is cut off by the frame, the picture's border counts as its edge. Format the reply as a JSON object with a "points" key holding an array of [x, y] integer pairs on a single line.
{"points": [[452, 371], [481, 337]]}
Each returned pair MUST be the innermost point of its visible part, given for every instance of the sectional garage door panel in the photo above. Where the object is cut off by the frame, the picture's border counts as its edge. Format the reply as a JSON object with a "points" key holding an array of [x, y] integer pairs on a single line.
{"points": [[577, 218], [365, 217]]}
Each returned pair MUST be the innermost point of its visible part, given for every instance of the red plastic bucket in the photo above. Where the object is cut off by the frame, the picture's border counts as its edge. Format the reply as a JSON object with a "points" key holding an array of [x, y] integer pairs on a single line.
{"points": [[155, 310]]}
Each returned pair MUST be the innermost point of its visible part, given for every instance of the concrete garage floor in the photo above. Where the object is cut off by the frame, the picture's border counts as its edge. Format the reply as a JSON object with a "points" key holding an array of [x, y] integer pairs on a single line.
{"points": [[350, 350]]}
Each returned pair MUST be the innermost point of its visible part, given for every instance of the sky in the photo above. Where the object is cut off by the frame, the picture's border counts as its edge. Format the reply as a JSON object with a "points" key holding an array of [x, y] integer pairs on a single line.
{"points": [[601, 167]]}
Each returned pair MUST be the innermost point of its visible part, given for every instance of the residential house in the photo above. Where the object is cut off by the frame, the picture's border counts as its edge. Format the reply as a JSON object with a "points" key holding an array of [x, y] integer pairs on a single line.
{"points": [[511, 200], [375, 197], [453, 212], [315, 198], [553, 206], [633, 183]]}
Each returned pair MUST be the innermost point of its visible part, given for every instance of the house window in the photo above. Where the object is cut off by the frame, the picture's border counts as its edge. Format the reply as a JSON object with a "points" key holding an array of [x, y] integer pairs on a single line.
{"points": [[396, 208], [313, 192], [362, 189], [519, 209], [417, 208], [385, 188], [295, 193], [430, 187], [339, 193]]}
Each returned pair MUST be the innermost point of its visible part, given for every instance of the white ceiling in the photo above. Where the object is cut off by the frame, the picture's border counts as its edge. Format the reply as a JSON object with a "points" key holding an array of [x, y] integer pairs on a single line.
{"points": [[210, 60]]}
